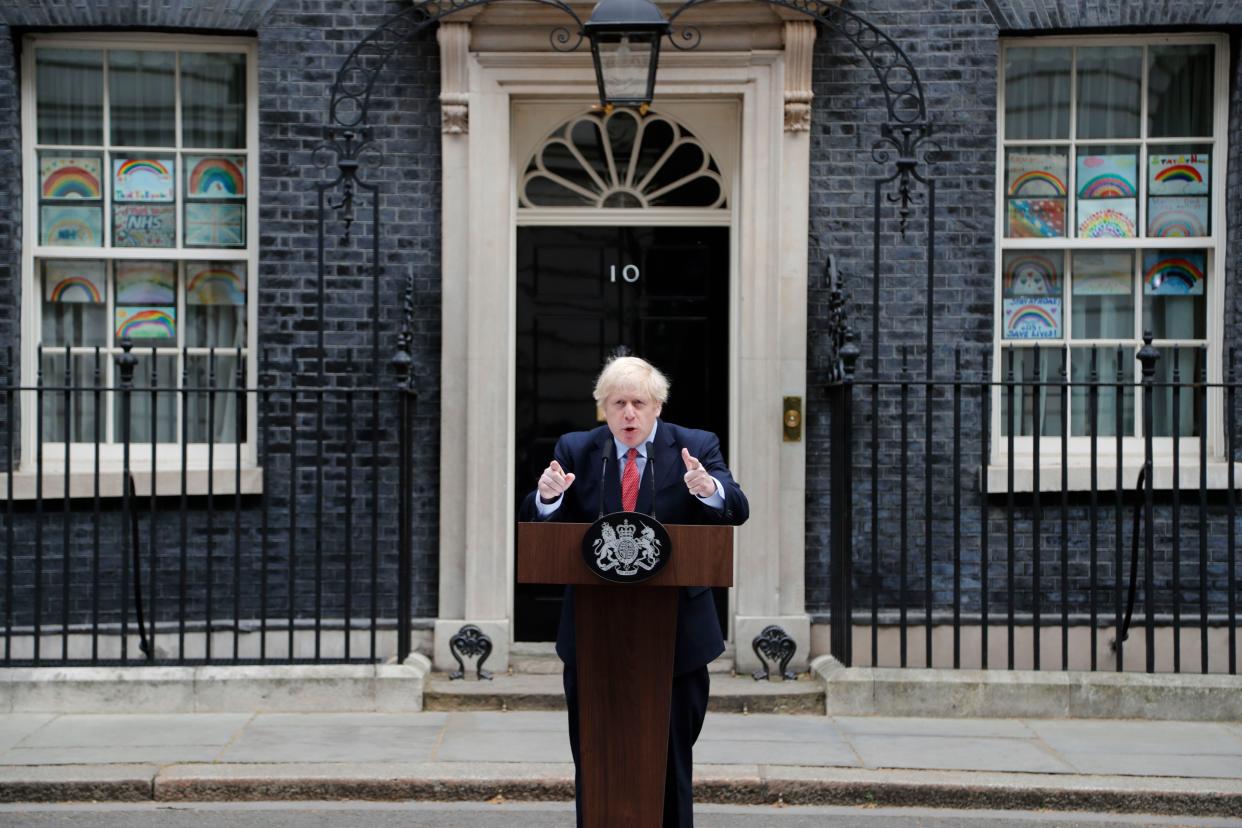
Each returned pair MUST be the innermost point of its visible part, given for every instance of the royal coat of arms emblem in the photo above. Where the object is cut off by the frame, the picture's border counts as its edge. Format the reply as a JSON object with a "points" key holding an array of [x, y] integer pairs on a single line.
{"points": [[626, 547]]}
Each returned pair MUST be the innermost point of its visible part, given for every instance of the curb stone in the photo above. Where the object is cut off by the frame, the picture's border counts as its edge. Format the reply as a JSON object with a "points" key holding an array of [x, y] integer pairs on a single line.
{"points": [[714, 784]]}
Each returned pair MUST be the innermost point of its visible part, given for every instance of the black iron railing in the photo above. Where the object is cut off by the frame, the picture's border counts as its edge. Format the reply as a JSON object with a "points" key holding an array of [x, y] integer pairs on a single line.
{"points": [[966, 522], [284, 538]]}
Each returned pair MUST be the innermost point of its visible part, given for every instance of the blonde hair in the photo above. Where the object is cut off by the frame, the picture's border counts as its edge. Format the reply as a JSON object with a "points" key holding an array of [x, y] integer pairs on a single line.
{"points": [[627, 373]]}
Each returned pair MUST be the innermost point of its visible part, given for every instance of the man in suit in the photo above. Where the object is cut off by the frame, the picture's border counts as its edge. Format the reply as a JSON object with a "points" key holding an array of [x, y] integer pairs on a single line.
{"points": [[638, 462]]}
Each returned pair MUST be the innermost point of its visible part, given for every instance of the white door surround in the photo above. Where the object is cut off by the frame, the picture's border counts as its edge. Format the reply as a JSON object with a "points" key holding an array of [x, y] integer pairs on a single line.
{"points": [[493, 77]]}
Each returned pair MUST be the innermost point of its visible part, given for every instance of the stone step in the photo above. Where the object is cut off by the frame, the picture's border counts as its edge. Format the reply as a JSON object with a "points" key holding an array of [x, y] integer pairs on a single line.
{"points": [[532, 691], [540, 658]]}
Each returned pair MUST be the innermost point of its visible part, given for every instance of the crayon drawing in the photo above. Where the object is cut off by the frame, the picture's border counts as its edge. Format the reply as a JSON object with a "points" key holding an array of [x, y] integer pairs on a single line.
{"points": [[146, 283], [1106, 218], [70, 280], [215, 177], [215, 283], [215, 225], [1036, 217], [72, 226], [1185, 174], [1103, 273], [1177, 216], [144, 225], [146, 322], [1107, 176], [1033, 317], [1037, 175], [1174, 272], [70, 178], [1032, 273], [142, 179]]}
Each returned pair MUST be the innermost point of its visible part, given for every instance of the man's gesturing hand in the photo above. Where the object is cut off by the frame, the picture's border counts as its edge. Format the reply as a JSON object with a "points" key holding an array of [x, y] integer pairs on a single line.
{"points": [[698, 481], [553, 482]]}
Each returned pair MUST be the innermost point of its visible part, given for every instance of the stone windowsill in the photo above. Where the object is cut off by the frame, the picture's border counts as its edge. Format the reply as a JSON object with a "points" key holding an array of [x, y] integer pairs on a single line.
{"points": [[223, 480], [1079, 479]]}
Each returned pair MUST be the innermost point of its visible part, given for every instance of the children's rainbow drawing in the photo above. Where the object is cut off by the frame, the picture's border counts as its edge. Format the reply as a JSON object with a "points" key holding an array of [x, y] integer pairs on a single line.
{"points": [[215, 225], [146, 283], [1180, 174], [1177, 217], [1032, 318], [215, 284], [74, 281], [1036, 217], [1102, 273], [1110, 218], [216, 177], [1173, 273], [146, 323], [1037, 175], [71, 226], [70, 178], [1029, 273], [1107, 176], [142, 179]]}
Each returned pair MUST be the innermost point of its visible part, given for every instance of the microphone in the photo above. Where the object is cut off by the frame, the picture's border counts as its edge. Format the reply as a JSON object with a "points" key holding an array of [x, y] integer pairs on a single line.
{"points": [[651, 468], [603, 478]]}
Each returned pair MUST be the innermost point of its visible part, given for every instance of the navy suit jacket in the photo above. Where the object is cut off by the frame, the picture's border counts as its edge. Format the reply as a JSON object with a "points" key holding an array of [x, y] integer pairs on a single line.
{"points": [[699, 639]]}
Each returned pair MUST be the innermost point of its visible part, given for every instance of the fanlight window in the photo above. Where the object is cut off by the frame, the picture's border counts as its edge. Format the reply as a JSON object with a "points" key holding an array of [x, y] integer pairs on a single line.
{"points": [[622, 160]]}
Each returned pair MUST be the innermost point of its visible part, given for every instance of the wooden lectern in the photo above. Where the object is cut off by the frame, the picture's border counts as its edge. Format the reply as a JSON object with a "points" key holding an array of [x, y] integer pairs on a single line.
{"points": [[625, 641]]}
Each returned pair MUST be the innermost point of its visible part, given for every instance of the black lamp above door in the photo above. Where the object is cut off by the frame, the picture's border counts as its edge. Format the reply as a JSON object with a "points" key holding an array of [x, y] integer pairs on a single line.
{"points": [[625, 43]]}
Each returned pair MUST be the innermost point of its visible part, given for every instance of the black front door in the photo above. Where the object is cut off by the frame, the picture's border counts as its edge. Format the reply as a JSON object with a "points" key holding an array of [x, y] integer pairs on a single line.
{"points": [[663, 293]]}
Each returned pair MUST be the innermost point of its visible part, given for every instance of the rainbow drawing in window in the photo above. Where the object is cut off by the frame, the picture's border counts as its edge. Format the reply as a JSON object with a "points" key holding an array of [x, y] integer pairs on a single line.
{"points": [[1036, 217], [215, 177], [1174, 272], [71, 226], [1034, 317], [1032, 273], [146, 283], [70, 178], [1177, 217], [1037, 175], [1106, 218], [1185, 174], [142, 179], [146, 322], [76, 282], [215, 283], [1107, 176]]}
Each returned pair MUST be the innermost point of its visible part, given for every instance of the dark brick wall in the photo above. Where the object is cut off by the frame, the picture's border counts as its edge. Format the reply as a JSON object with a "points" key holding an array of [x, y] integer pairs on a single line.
{"points": [[954, 46], [300, 45]]}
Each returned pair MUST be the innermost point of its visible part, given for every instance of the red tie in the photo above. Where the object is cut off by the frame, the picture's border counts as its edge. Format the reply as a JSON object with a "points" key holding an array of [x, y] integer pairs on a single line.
{"points": [[629, 481]]}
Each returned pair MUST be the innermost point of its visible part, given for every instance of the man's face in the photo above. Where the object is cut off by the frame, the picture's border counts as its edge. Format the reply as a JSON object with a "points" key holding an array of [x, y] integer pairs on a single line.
{"points": [[631, 416]]}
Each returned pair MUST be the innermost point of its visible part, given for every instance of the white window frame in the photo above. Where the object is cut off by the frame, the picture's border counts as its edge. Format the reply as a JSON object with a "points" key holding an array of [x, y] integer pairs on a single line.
{"points": [[165, 467], [1078, 450]]}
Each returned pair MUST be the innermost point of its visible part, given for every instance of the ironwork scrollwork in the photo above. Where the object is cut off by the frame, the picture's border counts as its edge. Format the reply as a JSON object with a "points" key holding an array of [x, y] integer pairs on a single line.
{"points": [[911, 143], [908, 130], [348, 150], [686, 38], [348, 134], [773, 645], [842, 352], [403, 359], [470, 642]]}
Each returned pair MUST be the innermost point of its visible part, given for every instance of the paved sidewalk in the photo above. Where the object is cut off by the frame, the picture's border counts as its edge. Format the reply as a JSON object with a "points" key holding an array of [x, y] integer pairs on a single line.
{"points": [[1136, 766]]}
